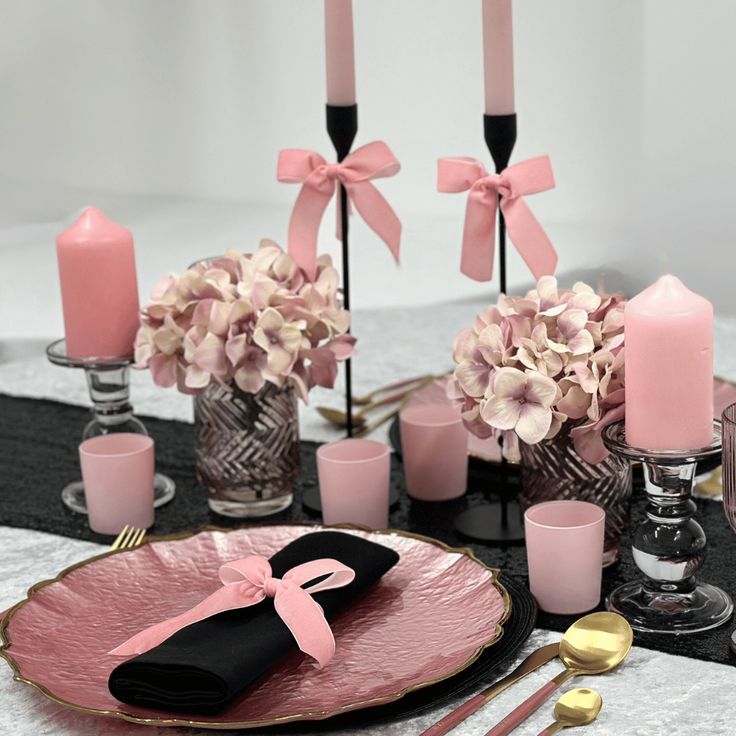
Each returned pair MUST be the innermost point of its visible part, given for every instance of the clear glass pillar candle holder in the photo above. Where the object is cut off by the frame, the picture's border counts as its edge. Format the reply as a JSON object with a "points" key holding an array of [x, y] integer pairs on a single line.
{"points": [[669, 546], [108, 381]]}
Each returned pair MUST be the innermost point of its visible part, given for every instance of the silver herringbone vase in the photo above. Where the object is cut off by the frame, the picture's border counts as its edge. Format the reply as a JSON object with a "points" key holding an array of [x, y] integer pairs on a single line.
{"points": [[552, 470], [247, 448]]}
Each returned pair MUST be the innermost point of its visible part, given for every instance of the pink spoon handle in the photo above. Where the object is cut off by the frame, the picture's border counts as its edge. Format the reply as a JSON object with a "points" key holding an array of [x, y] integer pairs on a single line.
{"points": [[456, 717], [523, 711]]}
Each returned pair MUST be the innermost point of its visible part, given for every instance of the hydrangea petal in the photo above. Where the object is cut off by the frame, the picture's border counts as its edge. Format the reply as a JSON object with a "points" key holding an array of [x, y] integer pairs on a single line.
{"points": [[474, 378], [539, 390], [533, 423], [582, 343], [501, 413], [509, 383]]}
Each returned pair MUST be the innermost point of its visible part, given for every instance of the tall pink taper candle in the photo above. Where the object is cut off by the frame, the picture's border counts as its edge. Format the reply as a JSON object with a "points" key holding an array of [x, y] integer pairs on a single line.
{"points": [[99, 289], [669, 368], [498, 57], [339, 52]]}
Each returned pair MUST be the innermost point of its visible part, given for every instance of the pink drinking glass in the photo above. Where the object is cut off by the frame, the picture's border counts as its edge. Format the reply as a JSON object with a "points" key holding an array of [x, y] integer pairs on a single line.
{"points": [[434, 450], [118, 470], [354, 482], [564, 547]]}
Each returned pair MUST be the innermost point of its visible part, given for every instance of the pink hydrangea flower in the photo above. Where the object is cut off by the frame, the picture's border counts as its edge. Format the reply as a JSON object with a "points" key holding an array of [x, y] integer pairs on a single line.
{"points": [[530, 364], [279, 339], [522, 402], [246, 318]]}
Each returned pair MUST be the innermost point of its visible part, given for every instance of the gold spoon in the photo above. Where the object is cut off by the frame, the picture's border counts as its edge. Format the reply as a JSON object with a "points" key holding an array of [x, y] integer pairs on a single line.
{"points": [[712, 486], [368, 428], [368, 398], [577, 707], [339, 417], [594, 644]]}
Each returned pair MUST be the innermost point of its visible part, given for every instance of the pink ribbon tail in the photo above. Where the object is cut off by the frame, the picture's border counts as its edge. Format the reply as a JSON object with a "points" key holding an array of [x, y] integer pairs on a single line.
{"points": [[529, 238], [304, 224], [247, 582], [479, 236], [226, 598], [378, 215], [527, 235]]}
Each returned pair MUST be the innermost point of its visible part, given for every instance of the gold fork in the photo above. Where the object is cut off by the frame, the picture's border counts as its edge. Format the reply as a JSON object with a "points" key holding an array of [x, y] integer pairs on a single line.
{"points": [[130, 537]]}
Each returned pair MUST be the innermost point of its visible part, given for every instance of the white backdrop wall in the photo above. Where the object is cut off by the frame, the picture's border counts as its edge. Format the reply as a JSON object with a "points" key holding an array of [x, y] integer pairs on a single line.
{"points": [[169, 114]]}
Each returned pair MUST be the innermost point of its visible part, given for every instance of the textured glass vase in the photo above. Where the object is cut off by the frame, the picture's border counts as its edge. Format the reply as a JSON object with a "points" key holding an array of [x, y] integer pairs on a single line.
{"points": [[247, 448], [552, 470]]}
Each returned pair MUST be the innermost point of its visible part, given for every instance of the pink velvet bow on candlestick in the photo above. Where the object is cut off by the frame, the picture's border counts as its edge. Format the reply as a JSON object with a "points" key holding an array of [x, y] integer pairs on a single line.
{"points": [[247, 582], [319, 183], [528, 177]]}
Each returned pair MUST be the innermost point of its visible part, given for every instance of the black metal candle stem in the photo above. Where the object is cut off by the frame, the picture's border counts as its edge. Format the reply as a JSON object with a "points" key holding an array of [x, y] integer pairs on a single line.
{"points": [[500, 134], [482, 523], [342, 127]]}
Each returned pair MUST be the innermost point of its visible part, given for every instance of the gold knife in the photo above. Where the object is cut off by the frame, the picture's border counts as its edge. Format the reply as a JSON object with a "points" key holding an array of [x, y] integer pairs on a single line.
{"points": [[533, 662]]}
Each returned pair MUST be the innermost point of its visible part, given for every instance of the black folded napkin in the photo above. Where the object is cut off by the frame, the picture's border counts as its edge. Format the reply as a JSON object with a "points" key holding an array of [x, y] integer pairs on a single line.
{"points": [[202, 667]]}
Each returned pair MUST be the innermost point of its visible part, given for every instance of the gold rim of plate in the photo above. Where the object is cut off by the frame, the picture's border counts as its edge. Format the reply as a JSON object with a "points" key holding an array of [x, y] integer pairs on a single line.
{"points": [[6, 643]]}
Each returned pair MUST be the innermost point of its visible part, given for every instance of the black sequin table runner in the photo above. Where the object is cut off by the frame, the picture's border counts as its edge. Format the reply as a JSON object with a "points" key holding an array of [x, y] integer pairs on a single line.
{"points": [[38, 456]]}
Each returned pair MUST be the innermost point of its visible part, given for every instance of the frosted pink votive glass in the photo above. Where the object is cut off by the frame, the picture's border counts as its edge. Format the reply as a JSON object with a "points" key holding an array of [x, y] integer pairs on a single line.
{"points": [[434, 449], [117, 470], [564, 548], [354, 482]]}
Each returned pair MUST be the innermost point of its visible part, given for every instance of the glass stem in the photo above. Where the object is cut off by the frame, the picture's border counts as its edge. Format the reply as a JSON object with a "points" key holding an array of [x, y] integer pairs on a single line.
{"points": [[109, 391], [669, 546]]}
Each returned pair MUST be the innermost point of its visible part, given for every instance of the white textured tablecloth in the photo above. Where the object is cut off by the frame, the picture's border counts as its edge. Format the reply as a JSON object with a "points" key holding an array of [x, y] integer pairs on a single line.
{"points": [[653, 693]]}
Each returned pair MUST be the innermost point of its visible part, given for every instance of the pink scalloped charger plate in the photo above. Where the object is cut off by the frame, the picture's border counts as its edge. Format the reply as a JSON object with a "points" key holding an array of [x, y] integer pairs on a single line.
{"points": [[426, 620]]}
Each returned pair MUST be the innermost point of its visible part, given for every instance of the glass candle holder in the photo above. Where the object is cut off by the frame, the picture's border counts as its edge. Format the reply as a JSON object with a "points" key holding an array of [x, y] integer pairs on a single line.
{"points": [[118, 471], [354, 477], [434, 448], [564, 548], [108, 381], [669, 546]]}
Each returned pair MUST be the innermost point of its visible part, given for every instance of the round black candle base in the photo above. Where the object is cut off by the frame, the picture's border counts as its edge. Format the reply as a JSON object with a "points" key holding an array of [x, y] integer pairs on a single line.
{"points": [[483, 524]]}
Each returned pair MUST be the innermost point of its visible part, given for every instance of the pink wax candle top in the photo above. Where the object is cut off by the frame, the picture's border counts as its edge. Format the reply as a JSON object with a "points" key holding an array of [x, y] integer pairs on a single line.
{"points": [[498, 57], [669, 368], [99, 288], [339, 52]]}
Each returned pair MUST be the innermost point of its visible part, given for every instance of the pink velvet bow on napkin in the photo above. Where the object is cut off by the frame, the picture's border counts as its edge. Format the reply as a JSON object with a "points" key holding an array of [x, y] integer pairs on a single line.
{"points": [[319, 182], [247, 582], [528, 177]]}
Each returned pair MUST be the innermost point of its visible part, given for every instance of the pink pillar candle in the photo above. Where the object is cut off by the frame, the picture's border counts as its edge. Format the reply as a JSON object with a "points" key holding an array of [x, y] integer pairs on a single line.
{"points": [[99, 288], [339, 52], [669, 368], [498, 57]]}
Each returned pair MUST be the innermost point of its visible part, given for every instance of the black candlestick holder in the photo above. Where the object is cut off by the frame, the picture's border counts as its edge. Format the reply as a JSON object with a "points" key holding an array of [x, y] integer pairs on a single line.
{"points": [[499, 132], [108, 381], [669, 546], [342, 127], [497, 523]]}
